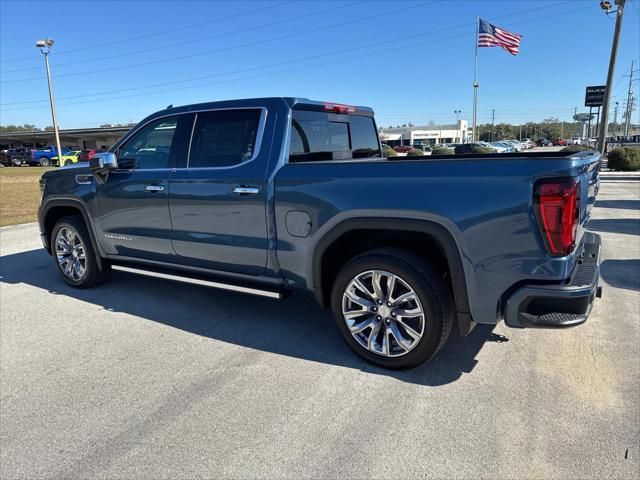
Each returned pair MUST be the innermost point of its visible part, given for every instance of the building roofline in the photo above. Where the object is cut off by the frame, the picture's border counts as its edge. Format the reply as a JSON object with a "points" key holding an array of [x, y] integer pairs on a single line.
{"points": [[71, 131]]}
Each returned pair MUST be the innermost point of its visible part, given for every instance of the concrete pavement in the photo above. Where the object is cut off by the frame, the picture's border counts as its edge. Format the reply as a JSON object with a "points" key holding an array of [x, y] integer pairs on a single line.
{"points": [[142, 378]]}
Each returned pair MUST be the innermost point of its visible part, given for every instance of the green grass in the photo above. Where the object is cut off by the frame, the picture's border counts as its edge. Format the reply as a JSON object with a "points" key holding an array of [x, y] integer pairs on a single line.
{"points": [[19, 194]]}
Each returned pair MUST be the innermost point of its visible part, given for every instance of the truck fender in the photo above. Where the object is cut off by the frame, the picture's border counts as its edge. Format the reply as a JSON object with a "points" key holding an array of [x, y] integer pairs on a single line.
{"points": [[79, 205], [438, 232]]}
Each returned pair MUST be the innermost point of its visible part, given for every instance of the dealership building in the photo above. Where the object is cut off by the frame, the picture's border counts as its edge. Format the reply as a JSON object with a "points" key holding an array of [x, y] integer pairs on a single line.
{"points": [[426, 134], [76, 139]]}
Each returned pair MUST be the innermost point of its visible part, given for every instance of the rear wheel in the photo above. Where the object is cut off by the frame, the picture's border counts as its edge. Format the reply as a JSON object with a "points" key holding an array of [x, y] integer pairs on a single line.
{"points": [[16, 161], [392, 308], [73, 254]]}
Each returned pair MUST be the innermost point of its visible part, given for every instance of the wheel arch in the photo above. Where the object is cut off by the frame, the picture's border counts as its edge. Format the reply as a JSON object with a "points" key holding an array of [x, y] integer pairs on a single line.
{"points": [[438, 235], [56, 208]]}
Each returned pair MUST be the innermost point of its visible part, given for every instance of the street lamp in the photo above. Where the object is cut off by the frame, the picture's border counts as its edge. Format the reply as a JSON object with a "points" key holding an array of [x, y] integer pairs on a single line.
{"points": [[457, 112], [45, 48]]}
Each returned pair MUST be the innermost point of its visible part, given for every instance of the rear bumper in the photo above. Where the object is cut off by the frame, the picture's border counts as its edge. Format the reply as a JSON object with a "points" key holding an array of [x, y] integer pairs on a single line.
{"points": [[559, 305]]}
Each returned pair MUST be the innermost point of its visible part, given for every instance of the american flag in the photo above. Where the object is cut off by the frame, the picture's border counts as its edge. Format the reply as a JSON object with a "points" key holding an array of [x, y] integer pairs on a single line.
{"points": [[492, 36]]}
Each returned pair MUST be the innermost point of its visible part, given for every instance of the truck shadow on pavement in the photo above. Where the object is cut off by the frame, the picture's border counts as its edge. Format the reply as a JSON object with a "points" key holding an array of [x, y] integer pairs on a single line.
{"points": [[627, 226], [624, 204], [621, 273], [296, 327]]}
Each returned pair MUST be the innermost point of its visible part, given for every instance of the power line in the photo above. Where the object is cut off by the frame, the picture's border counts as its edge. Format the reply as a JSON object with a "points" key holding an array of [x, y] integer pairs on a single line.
{"points": [[258, 42], [232, 47], [312, 57], [377, 52], [197, 40], [155, 34]]}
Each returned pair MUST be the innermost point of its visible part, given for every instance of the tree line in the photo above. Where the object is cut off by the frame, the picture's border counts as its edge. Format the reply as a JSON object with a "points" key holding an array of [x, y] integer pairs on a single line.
{"points": [[23, 128]]}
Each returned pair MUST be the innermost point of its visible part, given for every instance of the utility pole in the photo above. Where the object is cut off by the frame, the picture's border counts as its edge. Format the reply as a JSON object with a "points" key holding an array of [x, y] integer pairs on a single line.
{"points": [[493, 121], [602, 134], [573, 129], [627, 124], [520, 137], [627, 117], [615, 119]]}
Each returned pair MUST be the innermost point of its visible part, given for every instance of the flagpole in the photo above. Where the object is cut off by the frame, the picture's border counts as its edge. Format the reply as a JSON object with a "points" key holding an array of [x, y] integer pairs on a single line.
{"points": [[475, 85]]}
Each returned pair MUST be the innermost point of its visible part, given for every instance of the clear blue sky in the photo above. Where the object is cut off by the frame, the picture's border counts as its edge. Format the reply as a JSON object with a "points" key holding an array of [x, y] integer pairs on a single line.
{"points": [[412, 61]]}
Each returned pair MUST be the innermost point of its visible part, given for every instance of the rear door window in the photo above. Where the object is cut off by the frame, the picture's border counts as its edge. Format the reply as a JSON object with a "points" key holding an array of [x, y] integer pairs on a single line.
{"points": [[317, 136], [224, 138]]}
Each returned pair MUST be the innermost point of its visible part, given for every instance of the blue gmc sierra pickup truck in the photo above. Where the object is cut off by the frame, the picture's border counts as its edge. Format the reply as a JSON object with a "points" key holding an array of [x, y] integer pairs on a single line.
{"points": [[267, 196]]}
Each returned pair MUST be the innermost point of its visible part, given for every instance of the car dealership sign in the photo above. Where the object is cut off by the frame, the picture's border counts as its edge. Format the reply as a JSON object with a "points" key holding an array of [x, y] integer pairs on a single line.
{"points": [[594, 96]]}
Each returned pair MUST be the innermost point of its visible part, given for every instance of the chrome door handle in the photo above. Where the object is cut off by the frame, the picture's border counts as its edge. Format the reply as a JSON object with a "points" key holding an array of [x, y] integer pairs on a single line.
{"points": [[154, 188], [246, 190]]}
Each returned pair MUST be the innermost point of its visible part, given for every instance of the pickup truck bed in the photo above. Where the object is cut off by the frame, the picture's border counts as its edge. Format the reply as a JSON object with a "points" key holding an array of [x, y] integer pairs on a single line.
{"points": [[285, 194]]}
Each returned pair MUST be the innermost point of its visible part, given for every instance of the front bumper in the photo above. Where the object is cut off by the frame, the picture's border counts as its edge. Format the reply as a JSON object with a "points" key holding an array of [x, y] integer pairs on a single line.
{"points": [[559, 305]]}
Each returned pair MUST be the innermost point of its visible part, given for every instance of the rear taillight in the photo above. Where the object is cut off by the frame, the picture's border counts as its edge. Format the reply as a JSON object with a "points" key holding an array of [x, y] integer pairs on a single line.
{"points": [[556, 203]]}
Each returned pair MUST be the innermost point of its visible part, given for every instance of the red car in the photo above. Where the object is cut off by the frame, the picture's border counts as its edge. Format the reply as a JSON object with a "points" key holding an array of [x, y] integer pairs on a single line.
{"points": [[88, 153], [403, 148], [558, 142]]}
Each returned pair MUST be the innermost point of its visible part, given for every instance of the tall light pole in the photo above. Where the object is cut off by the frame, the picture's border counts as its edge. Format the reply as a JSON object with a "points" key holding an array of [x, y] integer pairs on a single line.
{"points": [[458, 112], [45, 48], [604, 123]]}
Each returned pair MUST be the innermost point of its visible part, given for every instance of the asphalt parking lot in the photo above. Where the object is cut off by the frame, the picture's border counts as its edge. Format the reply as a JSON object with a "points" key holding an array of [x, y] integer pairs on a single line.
{"points": [[143, 378]]}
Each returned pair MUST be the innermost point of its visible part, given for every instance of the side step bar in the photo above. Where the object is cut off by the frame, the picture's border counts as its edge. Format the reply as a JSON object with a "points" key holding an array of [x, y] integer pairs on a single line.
{"points": [[200, 281]]}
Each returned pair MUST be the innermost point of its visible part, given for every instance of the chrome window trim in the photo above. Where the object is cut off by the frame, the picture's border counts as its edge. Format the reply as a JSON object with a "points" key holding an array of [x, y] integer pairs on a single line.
{"points": [[258, 142], [256, 151]]}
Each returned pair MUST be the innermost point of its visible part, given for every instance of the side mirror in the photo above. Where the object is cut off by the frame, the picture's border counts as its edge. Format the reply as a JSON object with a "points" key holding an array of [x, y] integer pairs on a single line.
{"points": [[101, 164]]}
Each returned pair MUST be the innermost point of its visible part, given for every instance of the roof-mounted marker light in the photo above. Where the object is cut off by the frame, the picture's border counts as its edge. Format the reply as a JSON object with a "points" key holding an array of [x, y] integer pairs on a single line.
{"points": [[339, 108]]}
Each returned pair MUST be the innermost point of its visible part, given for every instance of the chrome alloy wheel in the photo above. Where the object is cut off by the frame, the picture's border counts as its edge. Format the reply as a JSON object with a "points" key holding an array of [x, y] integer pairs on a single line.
{"points": [[71, 254], [383, 313]]}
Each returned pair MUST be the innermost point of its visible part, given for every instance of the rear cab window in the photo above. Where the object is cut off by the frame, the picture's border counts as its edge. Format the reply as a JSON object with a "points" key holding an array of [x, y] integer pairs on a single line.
{"points": [[323, 136]]}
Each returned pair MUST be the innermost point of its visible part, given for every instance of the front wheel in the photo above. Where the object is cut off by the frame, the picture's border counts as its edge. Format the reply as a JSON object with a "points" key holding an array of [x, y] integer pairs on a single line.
{"points": [[16, 162], [43, 162], [392, 308], [73, 254]]}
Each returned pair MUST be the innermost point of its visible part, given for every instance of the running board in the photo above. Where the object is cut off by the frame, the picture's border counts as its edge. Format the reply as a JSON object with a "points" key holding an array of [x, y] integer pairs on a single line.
{"points": [[200, 281]]}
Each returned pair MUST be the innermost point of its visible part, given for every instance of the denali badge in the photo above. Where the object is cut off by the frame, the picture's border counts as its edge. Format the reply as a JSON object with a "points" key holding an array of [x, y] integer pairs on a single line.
{"points": [[114, 236]]}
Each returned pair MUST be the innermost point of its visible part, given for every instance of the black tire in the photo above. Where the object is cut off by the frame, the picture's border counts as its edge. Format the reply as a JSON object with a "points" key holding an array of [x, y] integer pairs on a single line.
{"points": [[430, 288], [43, 162], [16, 162], [93, 275]]}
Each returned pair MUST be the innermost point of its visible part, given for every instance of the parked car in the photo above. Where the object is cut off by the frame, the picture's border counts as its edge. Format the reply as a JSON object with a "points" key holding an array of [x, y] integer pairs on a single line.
{"points": [[400, 250], [87, 154], [403, 148], [499, 147], [517, 146], [469, 147], [559, 142], [15, 157], [68, 158], [543, 142], [42, 156]]}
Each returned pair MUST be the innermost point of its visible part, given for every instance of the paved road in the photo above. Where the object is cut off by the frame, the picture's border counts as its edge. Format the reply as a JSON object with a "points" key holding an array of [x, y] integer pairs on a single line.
{"points": [[149, 379]]}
